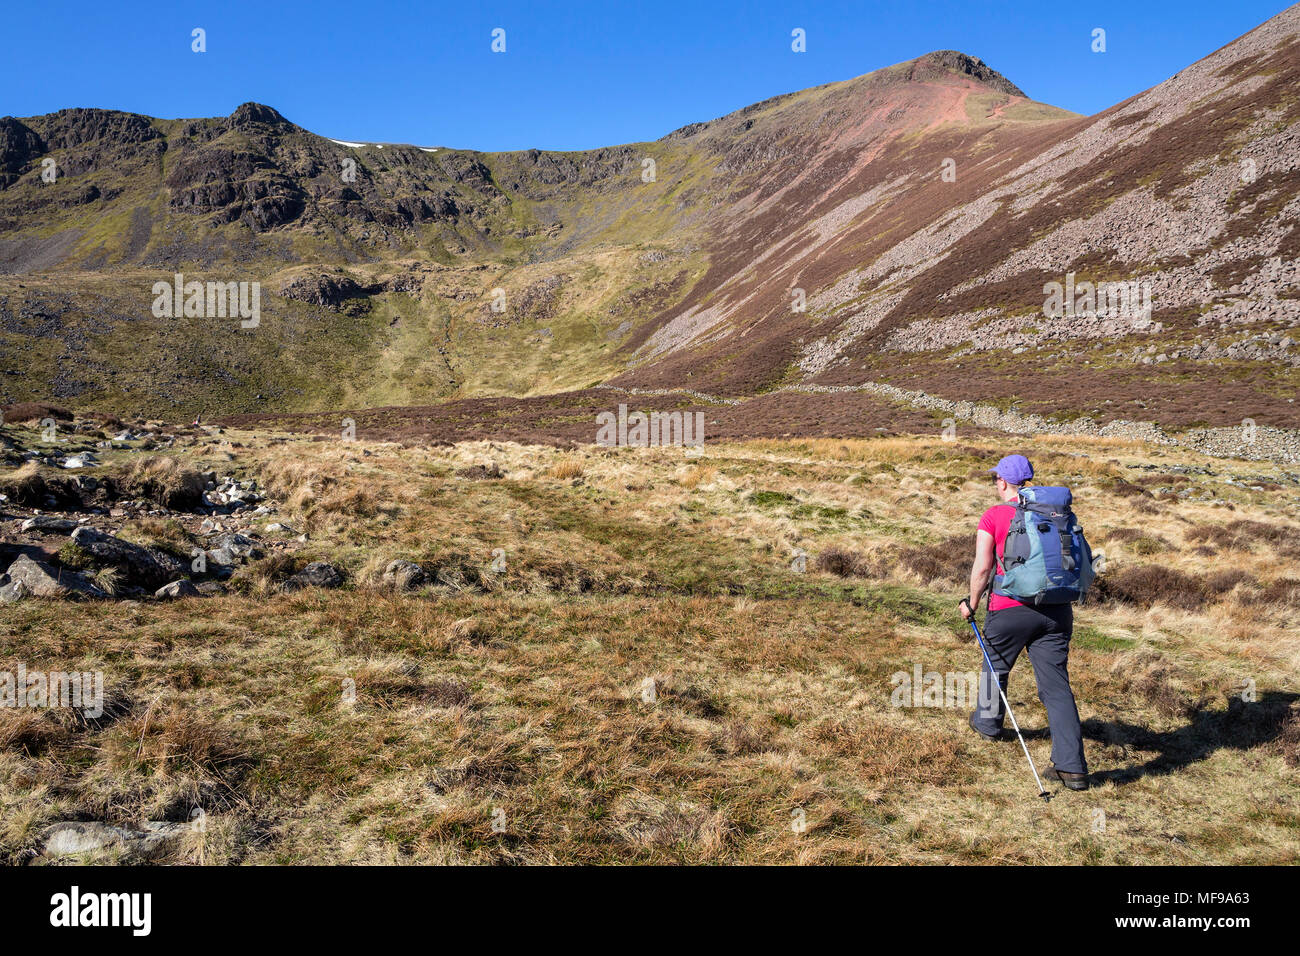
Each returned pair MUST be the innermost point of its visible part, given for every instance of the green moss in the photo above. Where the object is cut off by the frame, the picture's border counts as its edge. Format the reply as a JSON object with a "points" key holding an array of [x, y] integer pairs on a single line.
{"points": [[1095, 640], [72, 555], [770, 499], [823, 512]]}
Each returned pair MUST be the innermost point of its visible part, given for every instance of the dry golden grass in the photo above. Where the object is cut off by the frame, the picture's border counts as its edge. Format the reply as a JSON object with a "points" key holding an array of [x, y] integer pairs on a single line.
{"points": [[698, 475], [167, 533], [649, 680], [160, 478], [566, 469], [25, 484], [299, 482]]}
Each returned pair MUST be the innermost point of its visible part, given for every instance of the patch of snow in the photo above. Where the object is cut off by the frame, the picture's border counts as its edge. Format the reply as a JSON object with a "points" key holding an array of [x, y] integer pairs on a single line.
{"points": [[346, 143]]}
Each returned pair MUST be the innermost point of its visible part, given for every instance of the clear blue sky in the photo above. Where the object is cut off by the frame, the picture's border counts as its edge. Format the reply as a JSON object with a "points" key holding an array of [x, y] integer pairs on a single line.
{"points": [[574, 75]]}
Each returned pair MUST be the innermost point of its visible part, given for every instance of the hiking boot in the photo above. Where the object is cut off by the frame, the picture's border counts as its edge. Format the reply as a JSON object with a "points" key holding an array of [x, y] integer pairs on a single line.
{"points": [[1071, 781], [992, 738]]}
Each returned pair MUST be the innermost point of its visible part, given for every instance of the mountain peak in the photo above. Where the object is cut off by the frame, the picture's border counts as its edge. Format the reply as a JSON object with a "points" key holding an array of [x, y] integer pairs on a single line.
{"points": [[250, 113], [939, 62]]}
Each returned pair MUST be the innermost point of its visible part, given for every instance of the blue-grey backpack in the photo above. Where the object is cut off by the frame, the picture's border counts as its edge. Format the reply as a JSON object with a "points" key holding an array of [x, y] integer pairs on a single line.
{"points": [[1045, 559]]}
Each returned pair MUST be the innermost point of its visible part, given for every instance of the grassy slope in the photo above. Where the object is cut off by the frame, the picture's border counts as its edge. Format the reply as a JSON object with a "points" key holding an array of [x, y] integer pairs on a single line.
{"points": [[523, 692], [307, 357]]}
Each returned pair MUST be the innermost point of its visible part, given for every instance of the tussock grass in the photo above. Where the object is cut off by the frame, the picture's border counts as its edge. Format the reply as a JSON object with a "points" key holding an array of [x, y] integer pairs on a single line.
{"points": [[565, 469], [160, 478], [166, 533], [647, 678], [25, 485]]}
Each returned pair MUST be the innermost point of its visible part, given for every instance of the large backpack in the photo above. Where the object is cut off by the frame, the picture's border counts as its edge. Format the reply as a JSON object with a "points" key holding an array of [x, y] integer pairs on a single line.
{"points": [[1045, 559]]}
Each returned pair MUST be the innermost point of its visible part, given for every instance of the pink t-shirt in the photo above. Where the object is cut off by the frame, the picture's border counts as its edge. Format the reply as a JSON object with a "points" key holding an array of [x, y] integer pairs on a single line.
{"points": [[997, 522]]}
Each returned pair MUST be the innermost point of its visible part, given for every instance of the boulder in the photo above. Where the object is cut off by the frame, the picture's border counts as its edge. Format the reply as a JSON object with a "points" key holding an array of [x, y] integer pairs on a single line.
{"points": [[223, 559], [404, 575], [41, 580], [239, 545], [145, 567], [177, 589], [75, 838], [231, 549], [49, 524], [318, 574]]}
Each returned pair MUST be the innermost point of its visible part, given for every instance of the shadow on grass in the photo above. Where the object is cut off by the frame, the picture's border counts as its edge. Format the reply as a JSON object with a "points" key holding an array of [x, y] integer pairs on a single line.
{"points": [[1241, 727]]}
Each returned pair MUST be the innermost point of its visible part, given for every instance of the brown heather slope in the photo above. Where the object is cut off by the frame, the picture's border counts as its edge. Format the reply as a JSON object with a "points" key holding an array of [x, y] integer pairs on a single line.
{"points": [[377, 292], [929, 284], [569, 419]]}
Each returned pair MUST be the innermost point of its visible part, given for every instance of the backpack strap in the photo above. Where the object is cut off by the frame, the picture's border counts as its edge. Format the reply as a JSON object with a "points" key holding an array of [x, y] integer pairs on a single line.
{"points": [[1009, 543], [1014, 530]]}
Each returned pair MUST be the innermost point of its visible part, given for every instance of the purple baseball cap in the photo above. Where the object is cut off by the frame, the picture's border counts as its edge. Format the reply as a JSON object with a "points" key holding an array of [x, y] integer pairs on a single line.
{"points": [[1013, 469]]}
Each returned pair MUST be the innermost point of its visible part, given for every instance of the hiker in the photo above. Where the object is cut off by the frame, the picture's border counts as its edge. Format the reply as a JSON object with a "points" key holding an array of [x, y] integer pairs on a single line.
{"points": [[1048, 572]]}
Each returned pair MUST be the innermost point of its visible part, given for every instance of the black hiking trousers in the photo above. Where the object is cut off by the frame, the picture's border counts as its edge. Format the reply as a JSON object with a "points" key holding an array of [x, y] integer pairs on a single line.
{"points": [[1044, 632]]}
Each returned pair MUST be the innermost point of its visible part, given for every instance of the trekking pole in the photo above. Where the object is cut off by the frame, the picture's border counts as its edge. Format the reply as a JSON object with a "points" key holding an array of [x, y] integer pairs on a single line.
{"points": [[1042, 791]]}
